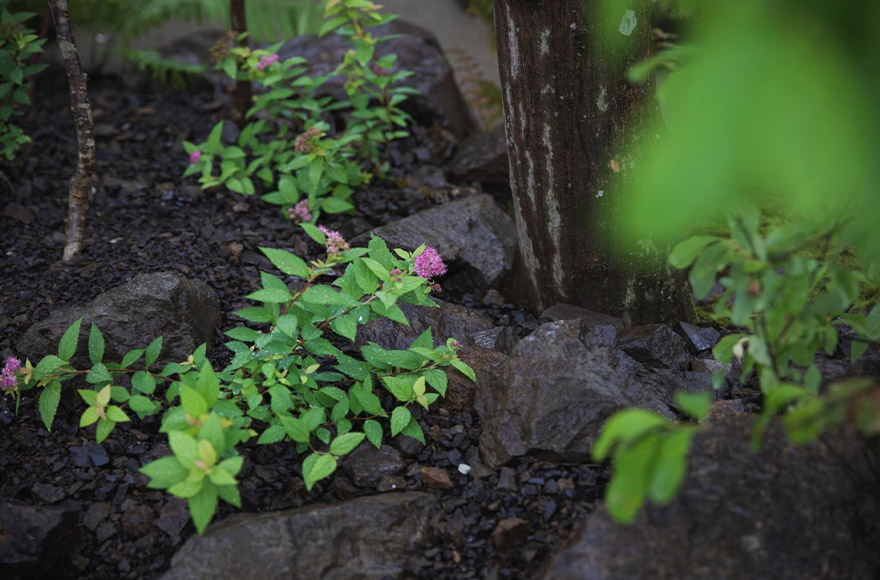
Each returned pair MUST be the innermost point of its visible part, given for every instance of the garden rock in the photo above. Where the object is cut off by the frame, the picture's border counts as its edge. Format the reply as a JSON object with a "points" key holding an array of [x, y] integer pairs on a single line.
{"points": [[366, 465], [550, 399], [183, 312], [786, 512], [439, 99], [572, 312], [472, 235], [369, 537], [35, 541], [699, 338], [656, 346], [447, 321], [482, 158]]}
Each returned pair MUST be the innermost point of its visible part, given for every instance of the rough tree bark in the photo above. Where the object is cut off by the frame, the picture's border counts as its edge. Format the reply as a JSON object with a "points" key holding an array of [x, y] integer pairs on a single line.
{"points": [[572, 123], [81, 182], [242, 97]]}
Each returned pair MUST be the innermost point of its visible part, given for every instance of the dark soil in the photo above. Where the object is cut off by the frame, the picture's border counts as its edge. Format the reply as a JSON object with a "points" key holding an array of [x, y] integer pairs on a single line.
{"points": [[144, 218]]}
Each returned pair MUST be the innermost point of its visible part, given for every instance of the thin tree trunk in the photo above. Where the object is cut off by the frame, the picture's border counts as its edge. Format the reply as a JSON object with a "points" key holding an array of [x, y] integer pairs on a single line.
{"points": [[242, 97], [572, 124], [81, 182]]}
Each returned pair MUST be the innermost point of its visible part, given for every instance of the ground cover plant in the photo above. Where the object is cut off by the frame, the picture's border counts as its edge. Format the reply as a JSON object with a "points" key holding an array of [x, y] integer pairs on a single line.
{"points": [[288, 145], [287, 383]]}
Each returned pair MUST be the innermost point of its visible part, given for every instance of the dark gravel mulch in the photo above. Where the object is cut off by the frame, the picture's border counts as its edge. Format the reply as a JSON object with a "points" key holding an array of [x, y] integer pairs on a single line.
{"points": [[145, 217]]}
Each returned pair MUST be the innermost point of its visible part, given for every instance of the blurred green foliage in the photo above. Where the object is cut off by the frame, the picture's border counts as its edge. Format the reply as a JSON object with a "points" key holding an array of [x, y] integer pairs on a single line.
{"points": [[773, 104]]}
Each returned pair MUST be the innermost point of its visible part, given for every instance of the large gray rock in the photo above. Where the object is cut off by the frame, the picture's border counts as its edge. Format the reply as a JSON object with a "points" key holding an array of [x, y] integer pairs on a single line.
{"points": [[473, 235], [35, 541], [369, 537], [483, 158], [183, 312], [552, 396], [447, 321], [786, 512], [439, 99]]}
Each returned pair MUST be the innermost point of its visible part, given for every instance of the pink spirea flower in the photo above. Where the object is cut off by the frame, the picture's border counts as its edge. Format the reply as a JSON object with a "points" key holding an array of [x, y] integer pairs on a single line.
{"points": [[7, 375], [429, 264], [266, 61], [300, 212], [195, 156], [335, 242]]}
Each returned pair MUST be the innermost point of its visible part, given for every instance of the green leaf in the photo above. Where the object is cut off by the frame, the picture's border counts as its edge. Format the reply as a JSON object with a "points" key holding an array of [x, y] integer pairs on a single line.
{"points": [[325, 295], [346, 443], [273, 434], [164, 472], [438, 380], [623, 426], [143, 382], [346, 326], [220, 476], [105, 427], [694, 405], [684, 254], [116, 414], [208, 384], [212, 432], [288, 325], [374, 432], [316, 467], [401, 387], [464, 369], [96, 344], [233, 464], [49, 399], [297, 429], [670, 466], [202, 506], [414, 430], [287, 262], [271, 295], [400, 418], [48, 364], [313, 232], [243, 334], [67, 345], [379, 252], [131, 357], [152, 352], [185, 447], [89, 417], [98, 374], [626, 491], [192, 402], [143, 406], [857, 349]]}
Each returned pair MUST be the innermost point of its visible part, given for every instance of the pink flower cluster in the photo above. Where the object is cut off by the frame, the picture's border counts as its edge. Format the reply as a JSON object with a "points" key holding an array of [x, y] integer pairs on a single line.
{"points": [[8, 380], [305, 143], [195, 156], [429, 264], [335, 242], [300, 212], [266, 61]]}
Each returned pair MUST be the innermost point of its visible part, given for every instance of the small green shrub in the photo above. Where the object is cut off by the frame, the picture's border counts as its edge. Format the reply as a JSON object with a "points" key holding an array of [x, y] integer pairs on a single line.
{"points": [[288, 380], [789, 307], [286, 145], [17, 45]]}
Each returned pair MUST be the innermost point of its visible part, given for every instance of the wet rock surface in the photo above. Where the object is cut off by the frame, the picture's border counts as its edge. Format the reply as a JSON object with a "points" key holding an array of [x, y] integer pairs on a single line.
{"points": [[475, 237], [482, 158], [447, 321], [784, 512], [183, 312], [552, 396], [371, 537]]}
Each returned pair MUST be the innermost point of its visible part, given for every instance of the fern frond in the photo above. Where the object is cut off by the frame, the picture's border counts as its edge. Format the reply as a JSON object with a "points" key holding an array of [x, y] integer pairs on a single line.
{"points": [[177, 73]]}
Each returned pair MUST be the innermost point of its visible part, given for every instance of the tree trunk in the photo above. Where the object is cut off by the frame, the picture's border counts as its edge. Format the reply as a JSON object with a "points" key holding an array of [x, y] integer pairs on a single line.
{"points": [[81, 182], [572, 122], [242, 97]]}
